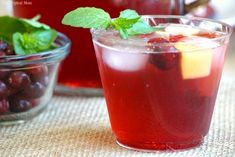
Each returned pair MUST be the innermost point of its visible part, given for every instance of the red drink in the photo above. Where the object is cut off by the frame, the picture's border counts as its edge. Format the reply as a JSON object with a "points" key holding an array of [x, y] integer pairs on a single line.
{"points": [[82, 57], [161, 88]]}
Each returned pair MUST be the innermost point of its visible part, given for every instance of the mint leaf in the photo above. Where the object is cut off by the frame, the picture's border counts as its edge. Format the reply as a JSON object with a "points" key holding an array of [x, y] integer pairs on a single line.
{"points": [[141, 27], [27, 36], [8, 26], [87, 18], [129, 14], [30, 43], [123, 33], [130, 23], [124, 23], [17, 42], [33, 23]]}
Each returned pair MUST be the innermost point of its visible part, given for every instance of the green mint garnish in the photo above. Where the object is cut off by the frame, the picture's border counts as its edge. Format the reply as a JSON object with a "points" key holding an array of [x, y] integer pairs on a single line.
{"points": [[30, 43], [34, 24], [28, 36], [87, 18], [128, 23], [8, 26]]}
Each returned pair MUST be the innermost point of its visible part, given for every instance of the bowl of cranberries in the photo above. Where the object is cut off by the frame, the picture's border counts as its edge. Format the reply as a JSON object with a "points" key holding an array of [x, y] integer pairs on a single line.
{"points": [[29, 62]]}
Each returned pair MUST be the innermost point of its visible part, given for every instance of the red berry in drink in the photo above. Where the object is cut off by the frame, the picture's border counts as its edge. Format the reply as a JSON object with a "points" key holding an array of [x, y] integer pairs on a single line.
{"points": [[4, 106], [176, 38], [166, 56], [207, 35], [165, 61]]}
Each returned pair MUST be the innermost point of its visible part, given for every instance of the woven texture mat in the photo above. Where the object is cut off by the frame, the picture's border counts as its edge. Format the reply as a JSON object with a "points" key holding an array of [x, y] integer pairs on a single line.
{"points": [[78, 126]]}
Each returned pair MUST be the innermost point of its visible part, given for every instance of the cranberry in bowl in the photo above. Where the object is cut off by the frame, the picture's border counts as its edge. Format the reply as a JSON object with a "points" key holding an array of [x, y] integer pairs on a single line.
{"points": [[29, 61]]}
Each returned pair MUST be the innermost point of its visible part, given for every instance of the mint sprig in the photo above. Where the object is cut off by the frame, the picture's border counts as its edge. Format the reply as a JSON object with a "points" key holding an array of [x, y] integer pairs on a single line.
{"points": [[28, 36], [128, 23], [30, 43]]}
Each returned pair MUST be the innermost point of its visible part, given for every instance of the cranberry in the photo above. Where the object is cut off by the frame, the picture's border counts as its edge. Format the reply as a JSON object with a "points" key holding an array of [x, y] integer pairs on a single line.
{"points": [[176, 38], [3, 90], [209, 35], [3, 45], [19, 80], [4, 73], [146, 35], [4, 106], [19, 105], [6, 48], [34, 90], [12, 91], [35, 102], [2, 54], [165, 61], [44, 81], [166, 58], [37, 72]]}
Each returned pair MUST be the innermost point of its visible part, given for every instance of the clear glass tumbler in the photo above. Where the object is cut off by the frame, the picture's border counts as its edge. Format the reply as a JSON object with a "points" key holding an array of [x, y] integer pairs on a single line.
{"points": [[161, 88]]}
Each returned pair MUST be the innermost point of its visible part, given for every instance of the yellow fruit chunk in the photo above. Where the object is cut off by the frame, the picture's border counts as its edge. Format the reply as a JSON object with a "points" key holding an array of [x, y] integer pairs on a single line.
{"points": [[195, 61]]}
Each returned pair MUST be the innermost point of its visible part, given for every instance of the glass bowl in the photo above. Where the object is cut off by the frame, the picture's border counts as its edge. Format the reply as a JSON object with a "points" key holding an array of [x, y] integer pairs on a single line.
{"points": [[27, 81]]}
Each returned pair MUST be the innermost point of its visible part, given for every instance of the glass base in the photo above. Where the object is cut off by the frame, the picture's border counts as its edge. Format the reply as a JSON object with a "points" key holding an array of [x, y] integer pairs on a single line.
{"points": [[154, 147], [19, 118], [88, 92]]}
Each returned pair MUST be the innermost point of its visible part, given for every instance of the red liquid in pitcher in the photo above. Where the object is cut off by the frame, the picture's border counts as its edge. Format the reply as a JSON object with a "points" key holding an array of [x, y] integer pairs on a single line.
{"points": [[154, 100], [80, 67]]}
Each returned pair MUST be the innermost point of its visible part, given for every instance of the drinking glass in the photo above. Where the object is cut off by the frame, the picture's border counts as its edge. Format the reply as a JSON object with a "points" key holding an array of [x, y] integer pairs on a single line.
{"points": [[162, 99]]}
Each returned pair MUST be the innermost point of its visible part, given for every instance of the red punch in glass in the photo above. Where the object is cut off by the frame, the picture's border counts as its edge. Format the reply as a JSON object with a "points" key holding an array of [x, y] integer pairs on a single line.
{"points": [[161, 88]]}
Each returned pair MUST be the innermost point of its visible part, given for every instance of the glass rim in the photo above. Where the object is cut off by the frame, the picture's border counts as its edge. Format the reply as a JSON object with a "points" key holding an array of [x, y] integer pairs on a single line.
{"points": [[41, 57], [226, 34]]}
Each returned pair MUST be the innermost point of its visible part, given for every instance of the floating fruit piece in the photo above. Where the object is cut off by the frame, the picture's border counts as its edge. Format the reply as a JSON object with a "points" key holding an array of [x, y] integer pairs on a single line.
{"points": [[195, 61], [166, 58], [165, 61]]}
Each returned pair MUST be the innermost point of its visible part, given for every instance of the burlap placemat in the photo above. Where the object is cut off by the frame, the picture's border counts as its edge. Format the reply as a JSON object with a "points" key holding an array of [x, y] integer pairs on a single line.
{"points": [[79, 126]]}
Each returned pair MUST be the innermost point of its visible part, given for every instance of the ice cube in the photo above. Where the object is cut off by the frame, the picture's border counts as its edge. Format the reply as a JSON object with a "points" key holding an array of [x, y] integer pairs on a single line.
{"points": [[124, 61]]}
